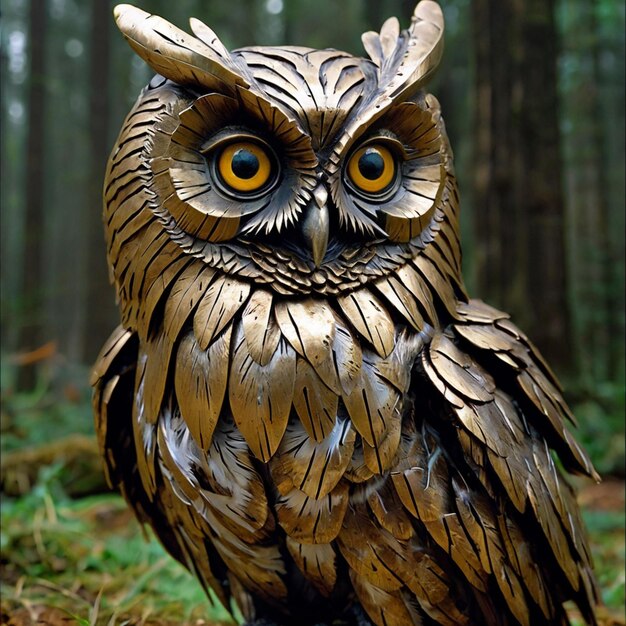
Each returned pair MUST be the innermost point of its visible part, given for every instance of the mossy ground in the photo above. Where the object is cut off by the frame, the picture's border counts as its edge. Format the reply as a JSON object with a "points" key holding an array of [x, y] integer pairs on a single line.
{"points": [[86, 561], [67, 557]]}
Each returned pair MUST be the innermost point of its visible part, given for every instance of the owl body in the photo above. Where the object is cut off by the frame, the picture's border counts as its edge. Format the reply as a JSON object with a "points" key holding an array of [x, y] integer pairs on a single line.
{"points": [[302, 401]]}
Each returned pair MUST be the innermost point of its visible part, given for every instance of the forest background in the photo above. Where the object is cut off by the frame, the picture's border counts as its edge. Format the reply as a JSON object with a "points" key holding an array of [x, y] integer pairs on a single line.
{"points": [[533, 97]]}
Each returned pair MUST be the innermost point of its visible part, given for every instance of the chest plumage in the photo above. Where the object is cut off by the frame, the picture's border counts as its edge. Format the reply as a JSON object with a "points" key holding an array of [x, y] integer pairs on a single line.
{"points": [[301, 399]]}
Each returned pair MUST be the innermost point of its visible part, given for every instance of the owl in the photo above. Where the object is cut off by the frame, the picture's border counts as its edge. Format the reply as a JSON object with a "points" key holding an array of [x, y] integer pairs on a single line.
{"points": [[302, 400]]}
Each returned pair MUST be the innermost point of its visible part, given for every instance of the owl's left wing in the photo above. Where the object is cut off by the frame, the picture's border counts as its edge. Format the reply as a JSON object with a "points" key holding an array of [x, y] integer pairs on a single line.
{"points": [[477, 475]]}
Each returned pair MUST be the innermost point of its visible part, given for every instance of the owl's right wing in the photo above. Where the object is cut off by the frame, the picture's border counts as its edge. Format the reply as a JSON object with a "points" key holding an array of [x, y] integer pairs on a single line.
{"points": [[113, 380]]}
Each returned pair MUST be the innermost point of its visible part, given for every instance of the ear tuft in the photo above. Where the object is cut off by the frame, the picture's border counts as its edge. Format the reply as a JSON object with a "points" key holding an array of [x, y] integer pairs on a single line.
{"points": [[187, 60], [406, 60]]}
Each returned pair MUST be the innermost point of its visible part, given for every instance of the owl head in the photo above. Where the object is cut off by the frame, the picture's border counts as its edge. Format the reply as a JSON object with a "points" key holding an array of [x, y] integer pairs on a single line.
{"points": [[310, 171]]}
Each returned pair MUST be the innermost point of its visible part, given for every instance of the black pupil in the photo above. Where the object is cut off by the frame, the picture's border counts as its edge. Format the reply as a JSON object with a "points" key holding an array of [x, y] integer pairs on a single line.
{"points": [[244, 164], [371, 165]]}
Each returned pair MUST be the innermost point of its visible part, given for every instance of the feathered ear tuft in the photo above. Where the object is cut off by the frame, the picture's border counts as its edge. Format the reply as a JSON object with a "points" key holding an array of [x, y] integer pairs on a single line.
{"points": [[201, 61], [406, 60]]}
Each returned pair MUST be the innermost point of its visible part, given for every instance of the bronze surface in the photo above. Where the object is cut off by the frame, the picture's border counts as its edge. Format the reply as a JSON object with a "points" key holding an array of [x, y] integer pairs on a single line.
{"points": [[301, 399]]}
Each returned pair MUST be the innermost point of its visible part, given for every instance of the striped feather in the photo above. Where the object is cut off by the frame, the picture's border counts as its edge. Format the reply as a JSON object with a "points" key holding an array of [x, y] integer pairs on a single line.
{"points": [[260, 330], [314, 468], [184, 297], [372, 404], [310, 520], [200, 383], [385, 608], [315, 404], [220, 302], [370, 319], [317, 561], [175, 54], [261, 395]]}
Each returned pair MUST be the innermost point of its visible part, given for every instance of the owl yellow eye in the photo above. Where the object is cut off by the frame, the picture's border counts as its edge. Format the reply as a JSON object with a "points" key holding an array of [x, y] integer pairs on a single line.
{"points": [[372, 169], [244, 167]]}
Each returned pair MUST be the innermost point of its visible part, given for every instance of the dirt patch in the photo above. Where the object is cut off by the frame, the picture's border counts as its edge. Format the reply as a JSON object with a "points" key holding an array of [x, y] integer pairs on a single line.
{"points": [[609, 495]]}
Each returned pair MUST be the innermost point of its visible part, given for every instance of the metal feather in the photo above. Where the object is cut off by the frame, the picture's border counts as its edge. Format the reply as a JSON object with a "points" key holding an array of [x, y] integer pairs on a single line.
{"points": [[261, 395], [260, 329], [173, 53], [402, 300], [185, 297], [200, 378], [312, 520], [309, 326], [318, 563], [314, 468], [370, 319], [373, 403], [220, 302], [315, 404], [385, 608]]}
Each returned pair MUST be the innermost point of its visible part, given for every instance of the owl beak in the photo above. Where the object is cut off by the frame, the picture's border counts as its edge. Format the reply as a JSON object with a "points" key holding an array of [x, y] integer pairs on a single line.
{"points": [[315, 225]]}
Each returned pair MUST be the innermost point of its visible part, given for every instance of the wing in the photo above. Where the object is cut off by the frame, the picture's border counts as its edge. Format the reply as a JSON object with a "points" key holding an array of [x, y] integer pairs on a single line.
{"points": [[478, 476], [114, 380]]}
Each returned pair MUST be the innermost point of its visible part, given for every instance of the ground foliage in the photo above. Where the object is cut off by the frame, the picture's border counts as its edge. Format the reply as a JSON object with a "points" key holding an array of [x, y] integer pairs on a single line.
{"points": [[88, 559], [82, 558]]}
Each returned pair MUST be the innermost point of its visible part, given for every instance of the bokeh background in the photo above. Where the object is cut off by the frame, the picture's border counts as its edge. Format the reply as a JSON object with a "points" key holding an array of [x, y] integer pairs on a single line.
{"points": [[533, 97]]}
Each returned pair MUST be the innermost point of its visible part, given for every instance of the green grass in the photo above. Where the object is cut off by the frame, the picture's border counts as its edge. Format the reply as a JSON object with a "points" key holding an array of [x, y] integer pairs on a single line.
{"points": [[606, 532], [90, 558]]}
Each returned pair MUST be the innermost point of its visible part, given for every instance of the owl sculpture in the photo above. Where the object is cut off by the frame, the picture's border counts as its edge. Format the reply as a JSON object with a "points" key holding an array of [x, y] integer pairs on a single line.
{"points": [[302, 400]]}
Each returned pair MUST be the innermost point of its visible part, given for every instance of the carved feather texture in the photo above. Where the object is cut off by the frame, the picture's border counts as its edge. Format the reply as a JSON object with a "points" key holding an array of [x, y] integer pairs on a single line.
{"points": [[173, 53], [261, 395], [313, 467], [313, 520], [200, 384], [259, 327], [317, 562], [317, 437], [368, 317]]}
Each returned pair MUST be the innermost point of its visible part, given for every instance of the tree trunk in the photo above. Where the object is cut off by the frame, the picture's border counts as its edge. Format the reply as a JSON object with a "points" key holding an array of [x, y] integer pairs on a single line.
{"points": [[101, 313], [612, 337], [595, 200], [541, 192], [518, 201], [7, 332], [500, 253], [31, 334]]}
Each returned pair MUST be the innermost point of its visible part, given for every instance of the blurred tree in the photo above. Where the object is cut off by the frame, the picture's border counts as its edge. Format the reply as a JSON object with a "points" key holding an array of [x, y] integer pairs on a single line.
{"points": [[518, 201], [377, 12], [30, 332], [66, 178], [331, 24], [100, 306], [593, 131], [541, 185]]}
